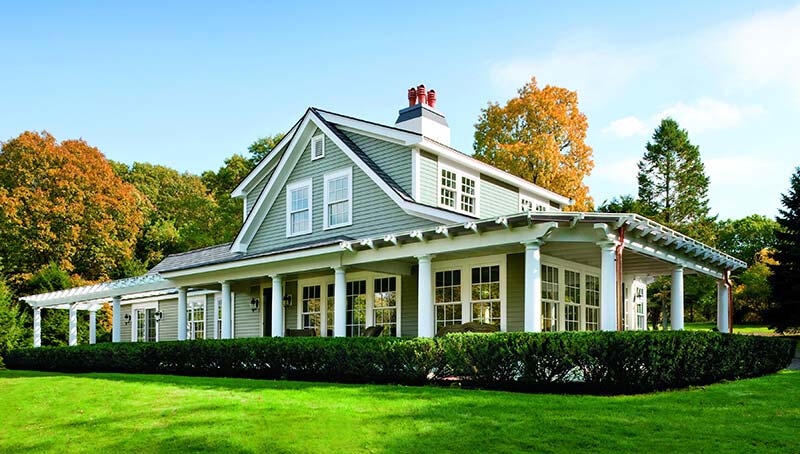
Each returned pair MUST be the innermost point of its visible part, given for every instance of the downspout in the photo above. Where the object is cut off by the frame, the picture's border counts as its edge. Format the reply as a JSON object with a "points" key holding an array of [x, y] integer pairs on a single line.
{"points": [[729, 284], [620, 293]]}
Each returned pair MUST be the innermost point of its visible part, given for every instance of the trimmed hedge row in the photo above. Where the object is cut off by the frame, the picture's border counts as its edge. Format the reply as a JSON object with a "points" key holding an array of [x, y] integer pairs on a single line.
{"points": [[597, 362]]}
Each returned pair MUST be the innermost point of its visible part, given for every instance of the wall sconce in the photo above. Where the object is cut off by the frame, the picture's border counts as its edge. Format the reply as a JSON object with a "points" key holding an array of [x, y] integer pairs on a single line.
{"points": [[158, 316], [254, 304], [287, 300], [127, 318]]}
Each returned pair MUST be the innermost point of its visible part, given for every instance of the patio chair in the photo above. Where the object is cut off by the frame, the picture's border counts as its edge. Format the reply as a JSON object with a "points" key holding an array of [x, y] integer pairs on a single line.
{"points": [[373, 331]]}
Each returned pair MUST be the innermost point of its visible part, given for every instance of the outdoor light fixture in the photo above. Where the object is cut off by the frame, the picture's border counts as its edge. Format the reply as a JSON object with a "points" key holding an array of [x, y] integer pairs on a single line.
{"points": [[127, 318], [158, 316], [287, 300], [254, 304]]}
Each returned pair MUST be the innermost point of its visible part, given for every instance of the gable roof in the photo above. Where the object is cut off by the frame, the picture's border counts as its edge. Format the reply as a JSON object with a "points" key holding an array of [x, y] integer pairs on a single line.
{"points": [[262, 167], [312, 120]]}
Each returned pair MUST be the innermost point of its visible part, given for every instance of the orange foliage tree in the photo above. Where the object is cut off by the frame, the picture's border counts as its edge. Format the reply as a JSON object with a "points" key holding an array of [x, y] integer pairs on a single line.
{"points": [[539, 136], [63, 204]]}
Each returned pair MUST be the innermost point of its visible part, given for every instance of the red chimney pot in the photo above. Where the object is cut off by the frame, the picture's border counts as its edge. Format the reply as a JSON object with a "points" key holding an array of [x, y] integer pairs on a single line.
{"points": [[421, 96], [432, 98], [412, 96]]}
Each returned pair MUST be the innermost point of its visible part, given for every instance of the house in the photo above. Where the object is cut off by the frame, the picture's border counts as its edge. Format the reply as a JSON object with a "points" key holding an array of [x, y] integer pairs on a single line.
{"points": [[350, 224]]}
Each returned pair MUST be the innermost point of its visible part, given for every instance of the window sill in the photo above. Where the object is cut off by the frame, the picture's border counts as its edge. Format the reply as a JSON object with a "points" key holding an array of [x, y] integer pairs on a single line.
{"points": [[338, 226], [292, 235]]}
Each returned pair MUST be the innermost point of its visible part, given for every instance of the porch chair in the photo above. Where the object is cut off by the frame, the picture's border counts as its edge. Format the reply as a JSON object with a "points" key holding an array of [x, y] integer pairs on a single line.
{"points": [[373, 331]]}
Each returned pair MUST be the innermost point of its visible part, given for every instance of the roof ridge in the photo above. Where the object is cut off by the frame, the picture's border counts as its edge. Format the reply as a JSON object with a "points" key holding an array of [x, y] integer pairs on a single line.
{"points": [[367, 121]]}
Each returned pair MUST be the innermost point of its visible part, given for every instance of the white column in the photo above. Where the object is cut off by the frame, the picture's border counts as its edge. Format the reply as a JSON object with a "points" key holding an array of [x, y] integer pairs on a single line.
{"points": [[182, 313], [226, 310], [116, 321], [339, 302], [608, 287], [37, 327], [425, 318], [722, 307], [92, 327], [277, 306], [73, 325], [533, 287], [676, 303]]}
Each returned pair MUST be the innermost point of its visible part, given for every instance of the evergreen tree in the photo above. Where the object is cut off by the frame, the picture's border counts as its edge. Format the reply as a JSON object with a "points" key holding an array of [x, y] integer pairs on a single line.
{"points": [[785, 280], [673, 186]]}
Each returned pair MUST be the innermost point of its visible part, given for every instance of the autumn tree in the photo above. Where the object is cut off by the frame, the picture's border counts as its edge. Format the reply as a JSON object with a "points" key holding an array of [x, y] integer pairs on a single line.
{"points": [[63, 204], [785, 281], [539, 136]]}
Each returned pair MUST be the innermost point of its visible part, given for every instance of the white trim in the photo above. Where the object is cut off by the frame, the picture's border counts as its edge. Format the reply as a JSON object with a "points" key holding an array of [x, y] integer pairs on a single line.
{"points": [[459, 172], [383, 132], [163, 298], [415, 174], [466, 283], [563, 266], [134, 319], [190, 303], [319, 138], [302, 184], [346, 172]]}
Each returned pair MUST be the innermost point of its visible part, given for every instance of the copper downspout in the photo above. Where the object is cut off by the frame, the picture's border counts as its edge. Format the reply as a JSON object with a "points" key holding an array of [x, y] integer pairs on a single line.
{"points": [[729, 284], [620, 289]]}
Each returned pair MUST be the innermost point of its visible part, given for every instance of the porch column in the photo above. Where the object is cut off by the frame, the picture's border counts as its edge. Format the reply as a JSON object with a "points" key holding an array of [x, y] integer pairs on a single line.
{"points": [[339, 302], [116, 321], [182, 313], [676, 306], [92, 327], [226, 310], [425, 322], [277, 306], [722, 307], [37, 327], [608, 286], [73, 325], [533, 287]]}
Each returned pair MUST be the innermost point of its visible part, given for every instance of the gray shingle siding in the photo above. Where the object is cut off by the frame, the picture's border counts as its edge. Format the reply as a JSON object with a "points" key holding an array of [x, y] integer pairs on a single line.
{"points": [[515, 292], [369, 203], [253, 195], [247, 323], [290, 313], [497, 199], [428, 170], [394, 159], [168, 326], [408, 304], [125, 333]]}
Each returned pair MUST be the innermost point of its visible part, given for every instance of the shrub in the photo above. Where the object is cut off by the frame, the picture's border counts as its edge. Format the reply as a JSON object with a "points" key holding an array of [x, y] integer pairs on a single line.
{"points": [[598, 362]]}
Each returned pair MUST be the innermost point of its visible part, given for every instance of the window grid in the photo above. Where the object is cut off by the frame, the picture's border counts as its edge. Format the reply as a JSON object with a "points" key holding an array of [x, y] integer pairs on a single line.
{"points": [[550, 298], [448, 298], [299, 210], [572, 300], [311, 307], [641, 317], [329, 307], [338, 200], [448, 193], [196, 320], [485, 294], [592, 308], [356, 308], [467, 194], [385, 305], [145, 325]]}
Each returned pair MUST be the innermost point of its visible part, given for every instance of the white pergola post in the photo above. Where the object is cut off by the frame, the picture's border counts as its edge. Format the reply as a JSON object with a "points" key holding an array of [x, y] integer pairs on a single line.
{"points": [[425, 323], [339, 302], [676, 303], [37, 327], [226, 310], [722, 307], [608, 286], [116, 322], [533, 287], [182, 313], [92, 327], [277, 306], [73, 325]]}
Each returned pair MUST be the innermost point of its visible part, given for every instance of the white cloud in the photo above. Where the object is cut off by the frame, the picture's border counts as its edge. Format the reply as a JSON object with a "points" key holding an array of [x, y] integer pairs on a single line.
{"points": [[763, 50], [705, 114]]}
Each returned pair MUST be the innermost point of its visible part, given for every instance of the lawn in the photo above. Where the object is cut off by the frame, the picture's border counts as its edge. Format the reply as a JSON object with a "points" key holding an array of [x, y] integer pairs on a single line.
{"points": [[116, 413], [738, 329]]}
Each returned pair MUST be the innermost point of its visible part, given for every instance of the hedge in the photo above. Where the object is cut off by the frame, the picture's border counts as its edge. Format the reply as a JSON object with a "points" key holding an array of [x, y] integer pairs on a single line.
{"points": [[596, 362]]}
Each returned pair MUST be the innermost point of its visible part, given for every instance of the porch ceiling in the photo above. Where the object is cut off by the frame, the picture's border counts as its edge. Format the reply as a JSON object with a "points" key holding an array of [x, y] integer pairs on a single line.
{"points": [[589, 254]]}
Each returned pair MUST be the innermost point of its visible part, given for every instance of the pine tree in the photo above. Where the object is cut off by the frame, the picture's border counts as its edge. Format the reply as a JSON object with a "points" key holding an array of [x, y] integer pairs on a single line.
{"points": [[785, 280], [673, 186]]}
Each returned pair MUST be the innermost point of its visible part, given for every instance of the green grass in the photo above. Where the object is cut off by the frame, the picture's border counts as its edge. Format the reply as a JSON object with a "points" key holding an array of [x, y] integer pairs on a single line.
{"points": [[121, 413], [738, 329]]}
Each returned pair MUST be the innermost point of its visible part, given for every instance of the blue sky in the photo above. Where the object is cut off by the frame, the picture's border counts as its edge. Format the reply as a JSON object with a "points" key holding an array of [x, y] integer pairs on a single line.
{"points": [[188, 84]]}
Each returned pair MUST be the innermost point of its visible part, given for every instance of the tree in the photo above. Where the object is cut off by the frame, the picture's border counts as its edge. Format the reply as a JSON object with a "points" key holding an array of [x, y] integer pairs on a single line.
{"points": [[261, 147], [752, 292], [622, 204], [673, 186], [785, 281], [539, 136], [62, 203], [746, 238], [13, 333]]}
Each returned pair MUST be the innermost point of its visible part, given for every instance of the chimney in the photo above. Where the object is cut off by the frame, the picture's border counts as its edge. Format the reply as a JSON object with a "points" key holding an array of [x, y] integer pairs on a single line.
{"points": [[422, 117]]}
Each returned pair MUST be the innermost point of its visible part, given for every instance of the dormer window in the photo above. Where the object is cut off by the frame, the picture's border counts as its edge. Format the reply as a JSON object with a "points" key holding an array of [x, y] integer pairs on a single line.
{"points": [[458, 191], [526, 204], [318, 147]]}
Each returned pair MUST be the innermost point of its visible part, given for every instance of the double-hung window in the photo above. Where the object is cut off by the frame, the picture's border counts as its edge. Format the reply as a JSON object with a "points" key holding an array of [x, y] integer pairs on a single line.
{"points": [[448, 298], [298, 208], [572, 300], [485, 294], [338, 198], [312, 307], [458, 191], [356, 308], [592, 286], [196, 318], [550, 299], [385, 305]]}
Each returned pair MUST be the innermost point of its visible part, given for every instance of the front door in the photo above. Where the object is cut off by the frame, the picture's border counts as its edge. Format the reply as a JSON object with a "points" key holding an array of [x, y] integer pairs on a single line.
{"points": [[266, 301]]}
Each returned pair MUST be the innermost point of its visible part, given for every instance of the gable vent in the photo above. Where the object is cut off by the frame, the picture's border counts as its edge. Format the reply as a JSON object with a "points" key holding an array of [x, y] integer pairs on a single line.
{"points": [[422, 117]]}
